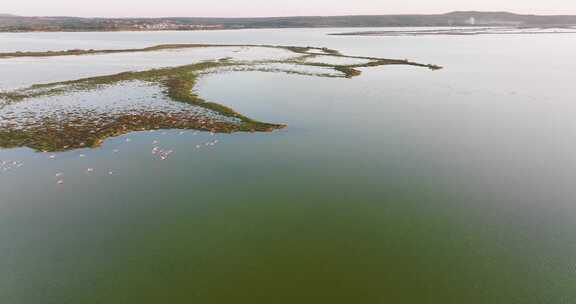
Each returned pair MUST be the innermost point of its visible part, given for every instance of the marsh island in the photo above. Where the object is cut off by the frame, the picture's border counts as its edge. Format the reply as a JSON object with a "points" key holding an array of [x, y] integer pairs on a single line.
{"points": [[71, 114]]}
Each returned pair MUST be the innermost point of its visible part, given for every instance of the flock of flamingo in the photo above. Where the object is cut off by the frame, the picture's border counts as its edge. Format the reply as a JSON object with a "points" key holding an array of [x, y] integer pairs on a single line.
{"points": [[157, 151]]}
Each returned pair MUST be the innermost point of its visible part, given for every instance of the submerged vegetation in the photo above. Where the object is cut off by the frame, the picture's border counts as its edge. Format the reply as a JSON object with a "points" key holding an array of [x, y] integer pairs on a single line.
{"points": [[176, 83]]}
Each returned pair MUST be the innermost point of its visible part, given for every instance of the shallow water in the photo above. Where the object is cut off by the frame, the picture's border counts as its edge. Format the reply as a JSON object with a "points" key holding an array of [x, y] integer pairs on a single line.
{"points": [[28, 71], [127, 98], [337, 60], [402, 185]]}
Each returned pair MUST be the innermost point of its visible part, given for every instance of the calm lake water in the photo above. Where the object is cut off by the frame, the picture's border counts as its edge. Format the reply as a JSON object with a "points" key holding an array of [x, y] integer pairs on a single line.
{"points": [[403, 185]]}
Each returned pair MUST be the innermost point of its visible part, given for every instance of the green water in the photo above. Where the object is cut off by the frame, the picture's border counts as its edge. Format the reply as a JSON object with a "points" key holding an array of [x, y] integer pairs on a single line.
{"points": [[400, 186]]}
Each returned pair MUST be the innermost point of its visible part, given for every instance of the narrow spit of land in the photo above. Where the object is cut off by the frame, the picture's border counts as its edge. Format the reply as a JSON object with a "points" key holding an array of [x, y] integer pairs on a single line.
{"points": [[177, 84], [464, 32]]}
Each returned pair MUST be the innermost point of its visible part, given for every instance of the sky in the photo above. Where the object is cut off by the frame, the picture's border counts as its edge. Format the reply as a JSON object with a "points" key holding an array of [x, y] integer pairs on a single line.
{"points": [[259, 8]]}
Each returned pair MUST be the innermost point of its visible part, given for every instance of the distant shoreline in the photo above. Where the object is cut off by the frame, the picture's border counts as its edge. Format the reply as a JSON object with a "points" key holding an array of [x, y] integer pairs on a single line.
{"points": [[221, 29], [108, 31], [19, 24], [448, 30]]}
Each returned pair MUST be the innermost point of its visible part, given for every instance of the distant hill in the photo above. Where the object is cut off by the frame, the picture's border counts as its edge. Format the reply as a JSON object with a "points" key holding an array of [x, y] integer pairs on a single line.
{"points": [[18, 23]]}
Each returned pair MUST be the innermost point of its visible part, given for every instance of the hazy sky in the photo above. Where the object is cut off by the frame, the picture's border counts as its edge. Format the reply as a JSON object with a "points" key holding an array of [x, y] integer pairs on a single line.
{"points": [[246, 8]]}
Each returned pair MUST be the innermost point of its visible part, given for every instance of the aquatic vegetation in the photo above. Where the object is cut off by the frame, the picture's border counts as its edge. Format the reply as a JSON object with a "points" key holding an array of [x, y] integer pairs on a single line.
{"points": [[78, 128]]}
